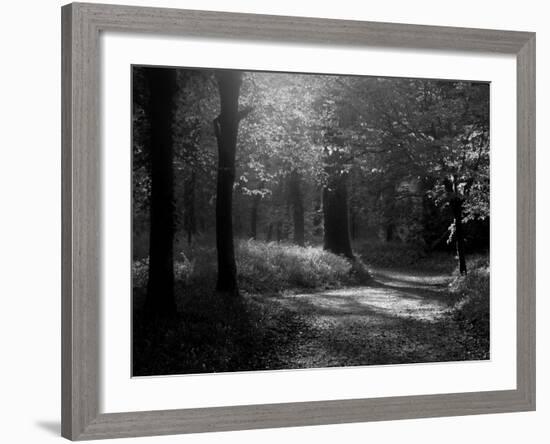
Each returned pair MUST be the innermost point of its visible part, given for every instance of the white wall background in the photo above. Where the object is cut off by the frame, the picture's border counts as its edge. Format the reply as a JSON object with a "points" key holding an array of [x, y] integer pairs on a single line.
{"points": [[30, 222]]}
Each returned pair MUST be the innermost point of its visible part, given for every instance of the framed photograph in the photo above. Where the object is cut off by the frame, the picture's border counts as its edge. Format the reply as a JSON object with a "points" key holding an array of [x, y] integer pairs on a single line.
{"points": [[278, 221]]}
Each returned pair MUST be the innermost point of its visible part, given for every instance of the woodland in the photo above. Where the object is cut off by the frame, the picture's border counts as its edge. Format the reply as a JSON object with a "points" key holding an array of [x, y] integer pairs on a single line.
{"points": [[288, 220]]}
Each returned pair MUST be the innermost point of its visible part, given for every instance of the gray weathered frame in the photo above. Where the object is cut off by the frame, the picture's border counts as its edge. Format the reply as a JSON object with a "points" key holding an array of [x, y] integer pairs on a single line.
{"points": [[81, 26]]}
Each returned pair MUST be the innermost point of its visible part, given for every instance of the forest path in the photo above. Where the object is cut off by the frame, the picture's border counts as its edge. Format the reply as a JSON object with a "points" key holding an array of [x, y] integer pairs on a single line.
{"points": [[399, 318]]}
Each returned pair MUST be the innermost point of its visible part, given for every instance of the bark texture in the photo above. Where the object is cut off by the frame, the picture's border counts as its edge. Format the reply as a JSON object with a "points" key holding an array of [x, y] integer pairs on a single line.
{"points": [[226, 127]]}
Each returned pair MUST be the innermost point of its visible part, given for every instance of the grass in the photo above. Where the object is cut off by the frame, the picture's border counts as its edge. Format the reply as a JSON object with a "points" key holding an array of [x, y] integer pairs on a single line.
{"points": [[275, 267], [215, 334], [472, 309], [264, 267], [211, 333]]}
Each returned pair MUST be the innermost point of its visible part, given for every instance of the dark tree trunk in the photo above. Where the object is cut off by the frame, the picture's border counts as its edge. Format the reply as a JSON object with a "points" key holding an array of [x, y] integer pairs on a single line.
{"points": [[296, 199], [459, 234], [269, 234], [353, 224], [317, 215], [279, 231], [335, 212], [254, 216], [226, 127], [389, 232], [160, 286], [189, 220]]}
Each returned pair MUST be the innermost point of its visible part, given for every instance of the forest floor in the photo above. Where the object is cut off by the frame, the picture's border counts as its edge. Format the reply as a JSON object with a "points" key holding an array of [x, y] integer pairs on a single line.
{"points": [[400, 314], [402, 317]]}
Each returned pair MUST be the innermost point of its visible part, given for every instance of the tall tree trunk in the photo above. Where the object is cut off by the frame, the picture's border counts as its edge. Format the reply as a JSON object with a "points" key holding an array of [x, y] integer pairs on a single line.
{"points": [[160, 287], [189, 220], [295, 191], [226, 127], [256, 200], [336, 221], [279, 230], [317, 215], [254, 216], [355, 226], [459, 234], [389, 231]]}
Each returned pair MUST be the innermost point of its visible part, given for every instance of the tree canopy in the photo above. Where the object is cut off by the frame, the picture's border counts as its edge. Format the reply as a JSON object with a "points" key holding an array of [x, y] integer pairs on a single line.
{"points": [[322, 159]]}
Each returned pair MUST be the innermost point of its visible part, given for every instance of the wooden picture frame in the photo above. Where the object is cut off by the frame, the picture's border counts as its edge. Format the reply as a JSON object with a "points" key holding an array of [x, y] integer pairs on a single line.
{"points": [[81, 27]]}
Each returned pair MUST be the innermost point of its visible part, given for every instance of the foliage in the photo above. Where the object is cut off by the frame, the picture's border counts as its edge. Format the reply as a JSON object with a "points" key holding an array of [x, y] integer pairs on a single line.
{"points": [[431, 140], [403, 256], [472, 309], [275, 267], [264, 267], [213, 334], [406, 146], [273, 331], [404, 159], [390, 254], [183, 270]]}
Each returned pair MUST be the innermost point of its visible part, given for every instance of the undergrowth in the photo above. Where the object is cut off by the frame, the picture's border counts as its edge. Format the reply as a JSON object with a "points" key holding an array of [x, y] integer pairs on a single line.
{"points": [[265, 267], [472, 309], [212, 333], [401, 255]]}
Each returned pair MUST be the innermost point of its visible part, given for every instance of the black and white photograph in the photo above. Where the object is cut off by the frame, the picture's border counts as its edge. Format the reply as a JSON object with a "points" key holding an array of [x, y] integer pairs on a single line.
{"points": [[285, 221], [275, 222]]}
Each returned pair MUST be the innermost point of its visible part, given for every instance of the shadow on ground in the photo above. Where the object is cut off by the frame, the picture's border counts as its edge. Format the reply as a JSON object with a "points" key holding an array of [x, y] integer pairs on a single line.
{"points": [[400, 318], [387, 297]]}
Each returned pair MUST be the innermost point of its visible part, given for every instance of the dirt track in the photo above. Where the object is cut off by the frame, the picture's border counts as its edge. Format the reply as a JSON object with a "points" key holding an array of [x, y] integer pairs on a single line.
{"points": [[400, 318]]}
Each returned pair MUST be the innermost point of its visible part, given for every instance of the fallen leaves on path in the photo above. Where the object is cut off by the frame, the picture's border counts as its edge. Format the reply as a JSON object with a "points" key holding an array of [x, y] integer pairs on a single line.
{"points": [[401, 318]]}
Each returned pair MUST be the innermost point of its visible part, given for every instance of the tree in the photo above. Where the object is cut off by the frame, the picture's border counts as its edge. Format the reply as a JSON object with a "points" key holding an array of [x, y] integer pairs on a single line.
{"points": [[297, 202], [160, 112], [226, 127], [193, 161], [277, 153], [337, 161], [441, 129], [335, 213], [256, 199]]}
